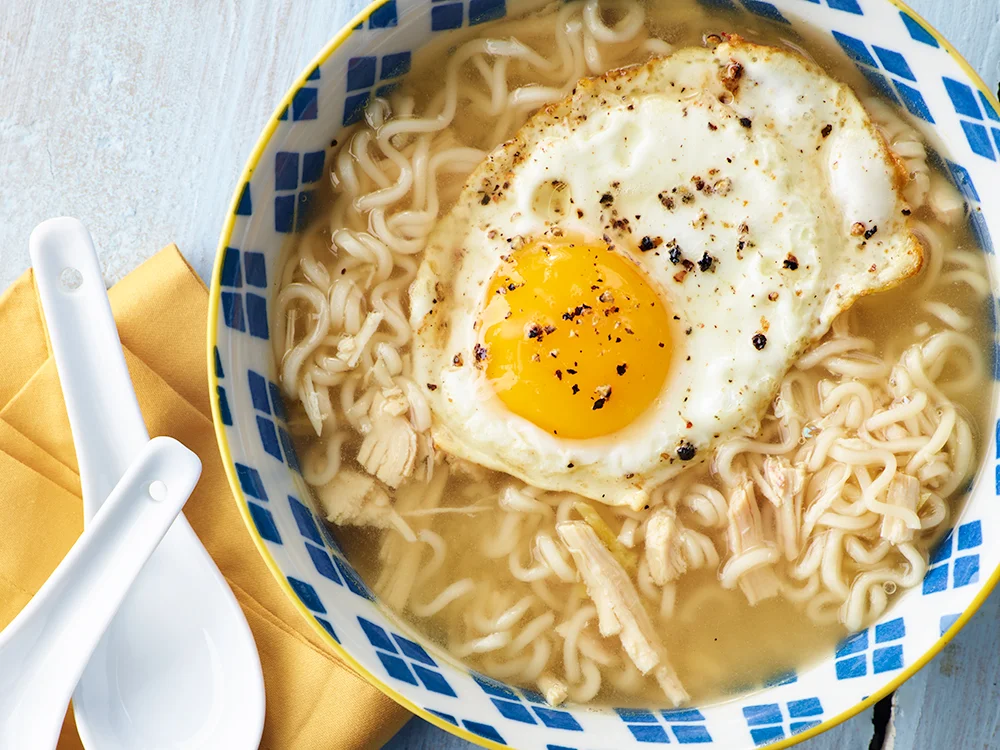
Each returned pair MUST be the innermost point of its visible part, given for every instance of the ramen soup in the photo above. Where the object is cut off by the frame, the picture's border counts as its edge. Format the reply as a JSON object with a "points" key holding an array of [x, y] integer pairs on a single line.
{"points": [[641, 386]]}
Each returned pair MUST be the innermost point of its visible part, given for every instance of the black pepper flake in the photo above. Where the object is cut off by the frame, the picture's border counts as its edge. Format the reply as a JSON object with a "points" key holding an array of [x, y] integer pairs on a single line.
{"points": [[827, 129], [480, 352], [706, 262], [667, 201], [549, 329], [661, 344], [598, 404], [559, 374], [534, 331], [576, 312], [712, 126], [685, 451], [746, 122], [759, 341], [486, 200], [576, 389], [571, 372], [906, 212], [871, 232], [569, 465], [431, 387], [621, 369], [791, 263], [648, 243], [675, 255], [607, 199], [687, 331], [457, 360]]}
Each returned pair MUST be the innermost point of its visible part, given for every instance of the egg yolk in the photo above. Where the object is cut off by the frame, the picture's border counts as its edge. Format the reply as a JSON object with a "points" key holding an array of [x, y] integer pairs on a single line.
{"points": [[574, 338]]}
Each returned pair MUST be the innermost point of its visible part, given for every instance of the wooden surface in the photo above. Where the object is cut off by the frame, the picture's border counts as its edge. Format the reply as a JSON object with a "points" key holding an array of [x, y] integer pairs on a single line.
{"points": [[137, 115]]}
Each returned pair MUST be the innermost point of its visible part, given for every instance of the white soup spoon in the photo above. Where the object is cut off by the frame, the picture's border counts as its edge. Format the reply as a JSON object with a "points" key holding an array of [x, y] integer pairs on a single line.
{"points": [[178, 668]]}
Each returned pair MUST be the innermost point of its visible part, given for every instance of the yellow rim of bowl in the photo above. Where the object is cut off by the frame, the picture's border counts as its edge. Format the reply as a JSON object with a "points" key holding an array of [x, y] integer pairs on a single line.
{"points": [[234, 483]]}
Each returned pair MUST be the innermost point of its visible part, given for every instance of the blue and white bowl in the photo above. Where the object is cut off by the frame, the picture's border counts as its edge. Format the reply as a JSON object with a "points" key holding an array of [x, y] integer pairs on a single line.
{"points": [[894, 48]]}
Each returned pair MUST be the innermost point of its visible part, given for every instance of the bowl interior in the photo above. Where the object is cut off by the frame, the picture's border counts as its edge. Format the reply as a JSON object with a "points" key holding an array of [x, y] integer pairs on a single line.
{"points": [[893, 48]]}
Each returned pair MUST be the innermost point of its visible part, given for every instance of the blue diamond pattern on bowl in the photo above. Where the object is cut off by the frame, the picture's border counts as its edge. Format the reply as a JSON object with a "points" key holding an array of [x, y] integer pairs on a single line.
{"points": [[324, 563], [328, 628], [892, 62], [432, 680], [767, 722], [264, 521], [848, 6], [250, 482], [307, 595], [244, 206], [514, 711], [976, 129], [916, 31]]}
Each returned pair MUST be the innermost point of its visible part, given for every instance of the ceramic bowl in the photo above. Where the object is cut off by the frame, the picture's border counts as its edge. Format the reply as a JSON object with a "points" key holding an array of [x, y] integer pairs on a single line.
{"points": [[895, 49]]}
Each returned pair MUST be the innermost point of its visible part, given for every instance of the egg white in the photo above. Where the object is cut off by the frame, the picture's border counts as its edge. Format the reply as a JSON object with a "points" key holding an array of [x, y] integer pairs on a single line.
{"points": [[799, 209]]}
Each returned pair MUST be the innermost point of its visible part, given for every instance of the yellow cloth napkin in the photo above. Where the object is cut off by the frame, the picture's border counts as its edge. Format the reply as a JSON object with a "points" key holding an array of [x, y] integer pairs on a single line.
{"points": [[313, 699]]}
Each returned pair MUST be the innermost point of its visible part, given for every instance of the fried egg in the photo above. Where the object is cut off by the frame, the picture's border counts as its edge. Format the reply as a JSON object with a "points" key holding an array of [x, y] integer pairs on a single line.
{"points": [[623, 285]]}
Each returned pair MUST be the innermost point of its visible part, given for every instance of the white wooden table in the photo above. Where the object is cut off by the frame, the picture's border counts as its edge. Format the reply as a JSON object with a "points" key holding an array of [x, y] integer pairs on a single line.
{"points": [[137, 117]]}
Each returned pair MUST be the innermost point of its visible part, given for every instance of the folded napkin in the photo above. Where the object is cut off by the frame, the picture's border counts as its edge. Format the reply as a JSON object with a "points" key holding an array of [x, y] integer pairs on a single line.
{"points": [[313, 699]]}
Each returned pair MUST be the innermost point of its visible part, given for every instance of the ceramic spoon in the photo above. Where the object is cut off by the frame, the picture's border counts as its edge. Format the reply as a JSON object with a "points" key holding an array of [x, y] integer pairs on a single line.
{"points": [[178, 667], [45, 648]]}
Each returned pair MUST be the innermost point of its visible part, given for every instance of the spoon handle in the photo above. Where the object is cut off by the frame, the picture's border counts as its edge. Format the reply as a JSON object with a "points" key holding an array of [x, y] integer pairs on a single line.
{"points": [[108, 429], [44, 650]]}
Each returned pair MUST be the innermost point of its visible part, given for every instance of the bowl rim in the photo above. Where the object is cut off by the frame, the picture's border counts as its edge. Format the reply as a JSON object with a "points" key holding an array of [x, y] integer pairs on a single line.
{"points": [[227, 460]]}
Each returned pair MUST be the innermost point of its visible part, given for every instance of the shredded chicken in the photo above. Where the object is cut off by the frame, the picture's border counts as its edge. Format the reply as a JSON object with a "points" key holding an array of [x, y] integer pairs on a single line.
{"points": [[619, 608], [622, 554], [945, 201], [350, 348], [746, 533], [389, 450], [664, 546], [903, 492], [355, 499], [671, 684], [782, 484], [394, 402], [553, 689]]}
